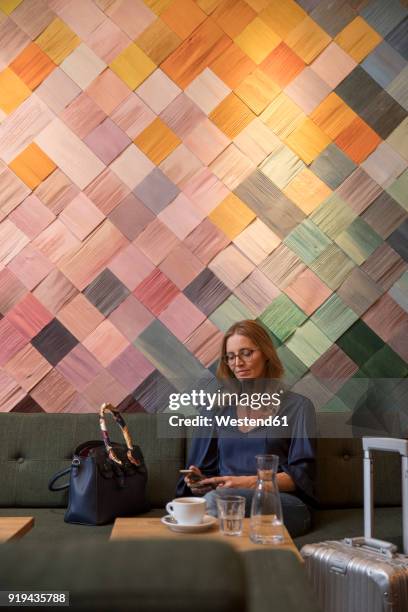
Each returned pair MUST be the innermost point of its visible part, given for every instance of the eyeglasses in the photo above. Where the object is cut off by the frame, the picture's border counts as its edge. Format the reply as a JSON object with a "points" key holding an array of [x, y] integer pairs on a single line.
{"points": [[243, 354]]}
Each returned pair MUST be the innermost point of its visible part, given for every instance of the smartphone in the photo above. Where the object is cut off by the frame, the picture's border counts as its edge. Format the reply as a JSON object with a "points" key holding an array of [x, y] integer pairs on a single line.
{"points": [[194, 477]]}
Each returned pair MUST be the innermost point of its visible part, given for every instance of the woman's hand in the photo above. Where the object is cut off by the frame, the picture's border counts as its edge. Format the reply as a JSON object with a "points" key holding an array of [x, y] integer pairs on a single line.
{"points": [[230, 482], [194, 484]]}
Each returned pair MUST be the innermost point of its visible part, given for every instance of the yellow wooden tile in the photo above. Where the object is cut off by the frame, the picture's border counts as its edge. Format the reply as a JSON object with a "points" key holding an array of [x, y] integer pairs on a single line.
{"points": [[282, 116], [12, 91], [232, 115], [307, 40], [133, 66], [257, 40], [58, 41], [282, 17], [358, 39], [257, 91], [157, 141], [158, 41], [232, 216], [8, 6], [307, 141], [307, 191], [333, 115], [32, 165], [157, 6]]}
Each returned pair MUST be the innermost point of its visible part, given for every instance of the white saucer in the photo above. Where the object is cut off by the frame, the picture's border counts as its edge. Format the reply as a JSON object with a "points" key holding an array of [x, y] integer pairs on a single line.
{"points": [[171, 523]]}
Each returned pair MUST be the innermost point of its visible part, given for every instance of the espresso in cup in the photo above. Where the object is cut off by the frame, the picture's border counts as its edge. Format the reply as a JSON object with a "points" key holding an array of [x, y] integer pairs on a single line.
{"points": [[187, 510]]}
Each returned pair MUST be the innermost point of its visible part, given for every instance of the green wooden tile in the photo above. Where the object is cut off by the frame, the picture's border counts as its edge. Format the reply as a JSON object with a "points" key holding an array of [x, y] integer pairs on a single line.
{"points": [[333, 166], [282, 166], [332, 266], [399, 190], [399, 291], [353, 393], [308, 343], [359, 240], [334, 405], [294, 367], [307, 241], [360, 343], [334, 317], [282, 317], [333, 216], [385, 364], [231, 311]]}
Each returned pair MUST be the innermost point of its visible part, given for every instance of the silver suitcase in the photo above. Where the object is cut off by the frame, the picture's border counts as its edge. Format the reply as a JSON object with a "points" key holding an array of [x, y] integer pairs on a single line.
{"points": [[363, 574]]}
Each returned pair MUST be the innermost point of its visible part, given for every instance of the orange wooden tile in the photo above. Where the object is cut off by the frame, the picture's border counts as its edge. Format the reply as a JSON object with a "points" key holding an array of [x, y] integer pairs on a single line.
{"points": [[158, 6], [12, 91], [307, 141], [257, 40], [197, 52], [231, 116], [157, 141], [232, 66], [257, 91], [282, 115], [32, 66], [333, 115], [32, 165], [232, 216], [233, 16], [307, 191], [183, 17], [282, 65], [358, 39], [358, 140], [307, 40], [282, 17], [158, 41]]}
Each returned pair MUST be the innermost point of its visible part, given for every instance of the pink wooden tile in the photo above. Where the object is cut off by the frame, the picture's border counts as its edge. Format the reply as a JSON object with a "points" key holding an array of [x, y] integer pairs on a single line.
{"points": [[131, 317], [54, 393], [11, 290], [83, 65], [108, 41], [206, 141], [107, 191], [78, 405], [257, 141], [205, 190], [131, 266], [156, 292], [58, 90], [131, 217], [28, 367], [11, 340], [131, 368], [32, 217], [384, 165], [82, 16], [132, 16], [158, 91], [386, 318], [206, 241], [56, 192], [181, 216], [333, 65], [79, 367], [182, 115], [132, 166], [307, 90], [257, 292], [180, 166], [29, 316], [33, 17], [257, 241], [10, 392], [359, 190], [55, 291], [108, 91], [12, 192], [232, 167], [13, 41], [81, 216], [205, 343], [207, 91], [105, 343], [181, 317], [80, 317], [156, 241], [133, 116], [181, 266], [56, 241], [12, 241], [104, 388], [31, 266], [231, 267], [308, 291], [399, 343], [107, 141], [83, 115], [334, 368]]}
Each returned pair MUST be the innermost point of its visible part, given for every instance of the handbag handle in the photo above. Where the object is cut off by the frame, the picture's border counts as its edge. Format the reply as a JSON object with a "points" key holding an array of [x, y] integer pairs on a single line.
{"points": [[105, 435], [56, 477]]}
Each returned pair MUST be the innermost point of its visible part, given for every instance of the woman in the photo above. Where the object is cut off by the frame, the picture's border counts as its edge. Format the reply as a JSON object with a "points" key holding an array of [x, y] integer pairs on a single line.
{"points": [[226, 457]]}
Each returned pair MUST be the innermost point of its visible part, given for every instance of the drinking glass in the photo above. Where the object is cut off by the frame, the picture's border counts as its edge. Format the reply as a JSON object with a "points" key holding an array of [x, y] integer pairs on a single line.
{"points": [[231, 512]]}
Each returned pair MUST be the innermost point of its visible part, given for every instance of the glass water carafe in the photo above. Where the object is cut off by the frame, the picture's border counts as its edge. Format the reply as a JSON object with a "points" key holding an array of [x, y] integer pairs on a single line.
{"points": [[266, 524]]}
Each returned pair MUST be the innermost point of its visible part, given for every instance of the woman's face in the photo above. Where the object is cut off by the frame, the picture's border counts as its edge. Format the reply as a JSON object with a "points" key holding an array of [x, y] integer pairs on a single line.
{"points": [[245, 366]]}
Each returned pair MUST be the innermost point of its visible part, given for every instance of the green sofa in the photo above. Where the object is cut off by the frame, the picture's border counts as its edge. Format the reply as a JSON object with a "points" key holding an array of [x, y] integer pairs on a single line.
{"points": [[34, 446]]}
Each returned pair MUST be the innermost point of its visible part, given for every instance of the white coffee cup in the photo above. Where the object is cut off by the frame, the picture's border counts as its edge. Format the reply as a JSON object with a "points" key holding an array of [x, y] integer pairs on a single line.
{"points": [[187, 510]]}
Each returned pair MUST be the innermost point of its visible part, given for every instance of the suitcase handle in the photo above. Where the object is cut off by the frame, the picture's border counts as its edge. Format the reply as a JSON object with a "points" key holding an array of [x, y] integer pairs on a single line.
{"points": [[383, 548]]}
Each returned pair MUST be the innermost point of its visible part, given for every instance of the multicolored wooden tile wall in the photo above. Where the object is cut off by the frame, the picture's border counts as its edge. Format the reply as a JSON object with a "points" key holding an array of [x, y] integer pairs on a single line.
{"points": [[170, 166]]}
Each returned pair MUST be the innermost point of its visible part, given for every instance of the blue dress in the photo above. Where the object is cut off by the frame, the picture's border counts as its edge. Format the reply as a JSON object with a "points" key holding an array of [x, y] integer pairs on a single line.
{"points": [[225, 450]]}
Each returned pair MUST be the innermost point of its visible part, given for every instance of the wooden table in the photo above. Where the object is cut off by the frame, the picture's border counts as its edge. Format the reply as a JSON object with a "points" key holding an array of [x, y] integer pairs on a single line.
{"points": [[130, 528], [14, 527]]}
